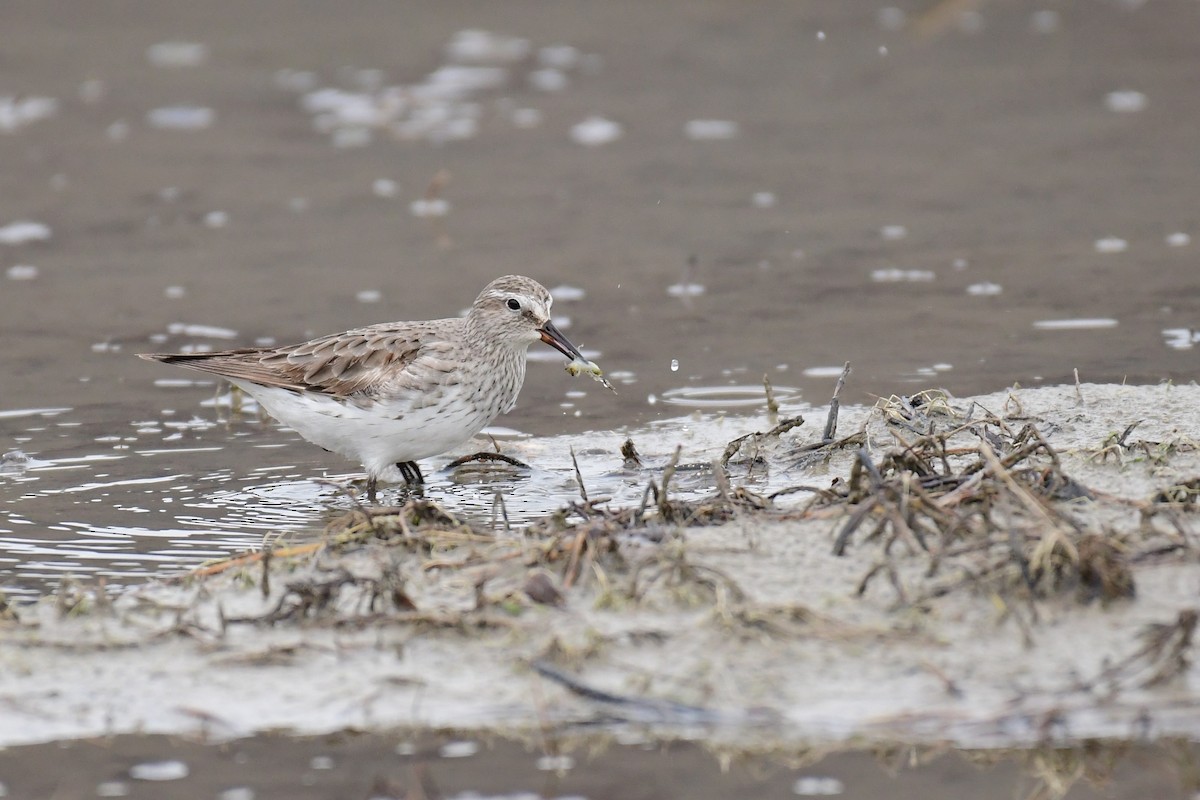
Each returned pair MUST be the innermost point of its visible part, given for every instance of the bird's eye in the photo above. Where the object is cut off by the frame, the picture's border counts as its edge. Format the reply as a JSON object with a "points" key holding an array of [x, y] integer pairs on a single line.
{"points": [[514, 304]]}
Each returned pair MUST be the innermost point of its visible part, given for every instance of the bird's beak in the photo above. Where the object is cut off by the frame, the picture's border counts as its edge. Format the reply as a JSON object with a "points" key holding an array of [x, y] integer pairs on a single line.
{"points": [[552, 336]]}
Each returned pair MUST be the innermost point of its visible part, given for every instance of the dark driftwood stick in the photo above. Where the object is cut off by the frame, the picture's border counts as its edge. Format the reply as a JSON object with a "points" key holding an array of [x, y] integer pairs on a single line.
{"points": [[486, 456], [579, 478], [834, 405]]}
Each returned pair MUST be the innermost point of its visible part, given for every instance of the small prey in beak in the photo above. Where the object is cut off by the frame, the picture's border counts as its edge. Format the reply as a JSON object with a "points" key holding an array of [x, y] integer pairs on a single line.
{"points": [[552, 336]]}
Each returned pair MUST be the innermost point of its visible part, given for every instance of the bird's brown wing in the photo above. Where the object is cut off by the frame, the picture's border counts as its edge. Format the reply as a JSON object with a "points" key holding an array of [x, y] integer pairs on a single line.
{"points": [[339, 365]]}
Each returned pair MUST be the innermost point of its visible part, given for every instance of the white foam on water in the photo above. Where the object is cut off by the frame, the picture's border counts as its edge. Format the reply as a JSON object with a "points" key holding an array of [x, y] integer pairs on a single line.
{"points": [[177, 54], [897, 275], [985, 289], [23, 231], [1075, 324], [17, 112], [1125, 101], [595, 131], [181, 118], [707, 130], [21, 272], [1111, 244]]}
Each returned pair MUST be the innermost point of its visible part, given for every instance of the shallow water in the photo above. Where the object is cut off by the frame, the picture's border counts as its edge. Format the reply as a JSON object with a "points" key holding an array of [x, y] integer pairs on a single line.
{"points": [[171, 494], [387, 766]]}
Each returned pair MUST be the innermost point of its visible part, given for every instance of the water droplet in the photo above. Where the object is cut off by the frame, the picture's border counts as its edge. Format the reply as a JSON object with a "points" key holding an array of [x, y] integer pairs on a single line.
{"points": [[385, 187], [159, 771], [1111, 244], [763, 199], [595, 131], [674, 365]]}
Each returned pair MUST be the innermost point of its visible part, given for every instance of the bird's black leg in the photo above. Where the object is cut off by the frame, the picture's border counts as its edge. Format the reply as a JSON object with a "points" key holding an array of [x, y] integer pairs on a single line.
{"points": [[372, 484], [410, 472]]}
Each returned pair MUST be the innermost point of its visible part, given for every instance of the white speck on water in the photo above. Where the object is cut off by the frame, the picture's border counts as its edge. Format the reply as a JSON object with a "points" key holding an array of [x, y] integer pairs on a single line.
{"points": [[21, 272], [960, 263], [384, 187], [823, 372], [201, 331], [595, 131], [17, 112], [320, 762], [118, 131], [708, 130], [985, 289], [567, 293], [548, 79], [92, 91], [891, 18], [893, 233], [685, 289], [1045, 21], [459, 749], [424, 208], [1111, 244], [1180, 338], [173, 770], [559, 56], [651, 400], [265, 341], [763, 199], [24, 231], [473, 45], [674, 365], [169, 194], [623, 375], [897, 275], [526, 117], [1178, 239], [237, 793], [575, 394], [181, 118], [1125, 101], [1074, 324], [883, 51], [112, 789], [177, 54], [941, 367], [369, 296], [174, 292], [562, 323], [453, 81], [560, 763], [815, 786], [216, 219], [820, 36]]}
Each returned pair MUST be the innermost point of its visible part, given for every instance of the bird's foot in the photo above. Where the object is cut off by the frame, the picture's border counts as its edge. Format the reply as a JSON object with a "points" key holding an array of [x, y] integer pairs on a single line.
{"points": [[410, 472]]}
